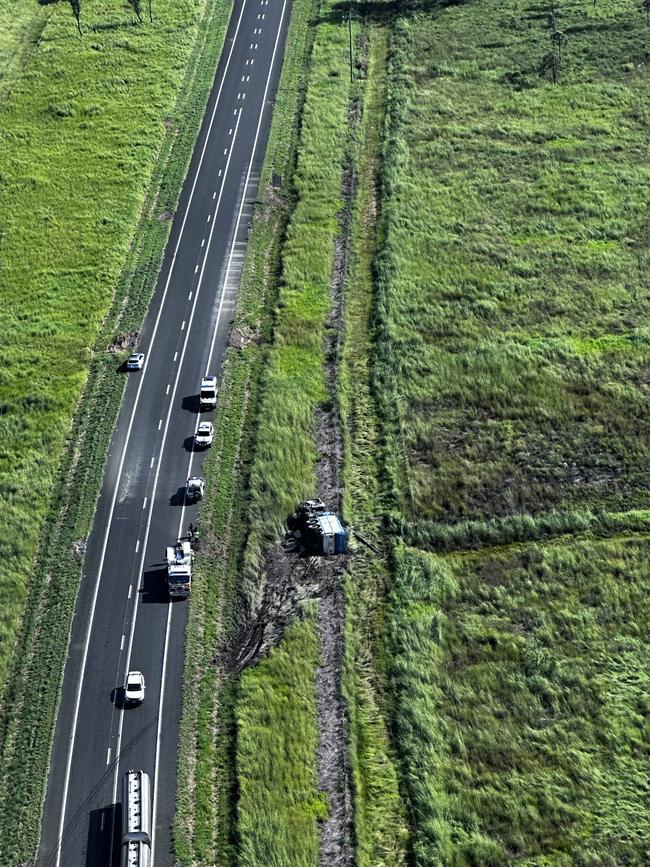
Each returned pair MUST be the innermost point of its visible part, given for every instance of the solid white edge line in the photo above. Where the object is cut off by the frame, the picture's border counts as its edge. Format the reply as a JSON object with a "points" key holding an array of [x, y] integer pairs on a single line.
{"points": [[246, 183], [159, 465], [214, 335], [75, 718]]}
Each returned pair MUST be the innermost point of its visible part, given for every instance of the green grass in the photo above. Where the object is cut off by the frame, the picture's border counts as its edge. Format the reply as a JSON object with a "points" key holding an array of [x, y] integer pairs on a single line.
{"points": [[279, 803], [521, 679], [80, 137], [20, 28], [516, 266], [29, 713], [380, 829], [511, 389], [276, 741]]}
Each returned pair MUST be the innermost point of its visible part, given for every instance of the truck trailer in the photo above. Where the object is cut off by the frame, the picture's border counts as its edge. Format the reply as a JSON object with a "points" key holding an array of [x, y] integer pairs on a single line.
{"points": [[136, 819], [318, 530]]}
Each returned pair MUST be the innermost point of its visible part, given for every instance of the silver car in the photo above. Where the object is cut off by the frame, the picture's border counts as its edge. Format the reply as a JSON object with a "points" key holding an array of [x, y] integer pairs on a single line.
{"points": [[135, 361]]}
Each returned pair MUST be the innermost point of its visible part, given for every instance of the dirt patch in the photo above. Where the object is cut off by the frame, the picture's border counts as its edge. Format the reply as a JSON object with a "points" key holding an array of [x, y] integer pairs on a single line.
{"points": [[289, 580], [242, 336], [165, 216], [123, 342], [79, 548]]}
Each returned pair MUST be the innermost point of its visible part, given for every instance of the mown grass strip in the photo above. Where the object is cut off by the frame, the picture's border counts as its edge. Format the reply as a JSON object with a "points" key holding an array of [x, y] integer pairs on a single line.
{"points": [[32, 693]]}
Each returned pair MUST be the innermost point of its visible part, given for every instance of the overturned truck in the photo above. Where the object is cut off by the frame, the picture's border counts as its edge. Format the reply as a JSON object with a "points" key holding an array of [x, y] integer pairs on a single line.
{"points": [[317, 530]]}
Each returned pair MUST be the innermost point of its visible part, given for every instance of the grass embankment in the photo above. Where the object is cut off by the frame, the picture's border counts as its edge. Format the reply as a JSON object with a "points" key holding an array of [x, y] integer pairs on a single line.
{"points": [[522, 682], [513, 291], [380, 829], [280, 804], [285, 457], [517, 248], [190, 40], [20, 29], [285, 793], [204, 826]]}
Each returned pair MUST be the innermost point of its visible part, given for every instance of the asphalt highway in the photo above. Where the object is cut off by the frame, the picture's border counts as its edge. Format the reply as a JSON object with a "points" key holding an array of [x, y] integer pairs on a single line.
{"points": [[124, 619]]}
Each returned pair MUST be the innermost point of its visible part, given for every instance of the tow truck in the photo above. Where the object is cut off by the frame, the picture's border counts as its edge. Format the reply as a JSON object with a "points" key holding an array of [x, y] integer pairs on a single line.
{"points": [[179, 569]]}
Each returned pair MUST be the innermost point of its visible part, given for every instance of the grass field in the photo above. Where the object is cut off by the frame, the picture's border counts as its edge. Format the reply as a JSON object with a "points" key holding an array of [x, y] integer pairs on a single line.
{"points": [[79, 138], [521, 678], [517, 246], [513, 296], [32, 693]]}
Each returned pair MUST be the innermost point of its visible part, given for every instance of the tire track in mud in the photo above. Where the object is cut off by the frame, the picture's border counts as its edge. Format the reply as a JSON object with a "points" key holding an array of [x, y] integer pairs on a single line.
{"points": [[332, 760]]}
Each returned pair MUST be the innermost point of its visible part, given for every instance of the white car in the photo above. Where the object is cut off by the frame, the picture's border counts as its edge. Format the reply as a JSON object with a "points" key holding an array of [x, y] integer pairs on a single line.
{"points": [[135, 361], [204, 434], [134, 690]]}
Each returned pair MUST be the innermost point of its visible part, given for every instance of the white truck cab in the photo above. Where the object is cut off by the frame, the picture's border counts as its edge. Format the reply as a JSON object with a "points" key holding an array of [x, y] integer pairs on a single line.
{"points": [[208, 393]]}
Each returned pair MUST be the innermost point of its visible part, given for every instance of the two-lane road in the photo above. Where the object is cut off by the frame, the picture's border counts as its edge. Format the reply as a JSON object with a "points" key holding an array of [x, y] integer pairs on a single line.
{"points": [[124, 619]]}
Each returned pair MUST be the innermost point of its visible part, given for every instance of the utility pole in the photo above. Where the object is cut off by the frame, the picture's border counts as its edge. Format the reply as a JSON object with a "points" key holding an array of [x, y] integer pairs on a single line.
{"points": [[350, 34]]}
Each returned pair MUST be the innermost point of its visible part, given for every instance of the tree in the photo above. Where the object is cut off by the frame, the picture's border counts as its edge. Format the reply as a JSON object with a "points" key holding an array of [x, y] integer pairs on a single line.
{"points": [[559, 38], [553, 59], [137, 8], [549, 61], [645, 5], [76, 11]]}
